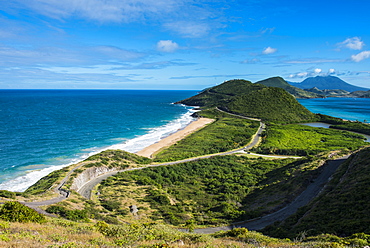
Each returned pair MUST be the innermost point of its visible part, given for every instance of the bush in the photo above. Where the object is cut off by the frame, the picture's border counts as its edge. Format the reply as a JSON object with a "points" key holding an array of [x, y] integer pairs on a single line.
{"points": [[74, 215], [17, 212], [7, 194]]}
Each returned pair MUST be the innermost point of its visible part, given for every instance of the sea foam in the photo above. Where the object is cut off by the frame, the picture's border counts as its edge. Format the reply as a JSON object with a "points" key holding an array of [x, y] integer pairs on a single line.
{"points": [[136, 144]]}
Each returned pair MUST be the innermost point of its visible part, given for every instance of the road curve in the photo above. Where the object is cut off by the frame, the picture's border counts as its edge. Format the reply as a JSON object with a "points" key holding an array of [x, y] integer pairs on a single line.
{"points": [[86, 189], [256, 224], [303, 199]]}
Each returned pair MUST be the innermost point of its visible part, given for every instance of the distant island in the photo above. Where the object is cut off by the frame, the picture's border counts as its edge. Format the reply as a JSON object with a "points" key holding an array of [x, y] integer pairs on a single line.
{"points": [[330, 86], [253, 166]]}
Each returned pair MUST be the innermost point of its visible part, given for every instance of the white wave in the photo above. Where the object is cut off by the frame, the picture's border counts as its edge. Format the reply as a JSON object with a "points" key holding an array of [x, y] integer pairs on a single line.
{"points": [[155, 134], [136, 144]]}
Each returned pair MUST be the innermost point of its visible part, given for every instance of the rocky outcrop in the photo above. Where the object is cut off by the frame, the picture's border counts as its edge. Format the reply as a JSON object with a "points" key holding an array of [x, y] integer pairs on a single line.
{"points": [[88, 175]]}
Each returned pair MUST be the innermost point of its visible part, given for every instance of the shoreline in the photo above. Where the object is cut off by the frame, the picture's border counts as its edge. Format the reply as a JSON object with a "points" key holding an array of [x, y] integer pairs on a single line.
{"points": [[149, 151], [133, 145]]}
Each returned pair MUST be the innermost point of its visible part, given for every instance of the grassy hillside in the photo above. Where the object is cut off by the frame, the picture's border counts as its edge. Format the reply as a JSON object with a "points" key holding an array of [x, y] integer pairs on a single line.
{"points": [[295, 91], [68, 234], [342, 208], [211, 191], [253, 100], [272, 105], [304, 140], [226, 133], [220, 95]]}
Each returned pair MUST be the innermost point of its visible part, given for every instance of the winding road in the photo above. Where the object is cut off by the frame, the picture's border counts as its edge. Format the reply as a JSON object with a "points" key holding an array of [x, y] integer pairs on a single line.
{"points": [[303, 199], [86, 189], [256, 224]]}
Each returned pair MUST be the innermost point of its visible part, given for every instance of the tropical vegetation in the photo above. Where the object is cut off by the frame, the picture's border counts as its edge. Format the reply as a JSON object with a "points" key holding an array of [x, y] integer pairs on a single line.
{"points": [[304, 140]]}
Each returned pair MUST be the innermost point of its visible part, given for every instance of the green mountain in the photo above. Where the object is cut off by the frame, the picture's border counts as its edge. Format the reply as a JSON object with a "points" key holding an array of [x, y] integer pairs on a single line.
{"points": [[295, 91], [327, 82], [342, 207], [253, 100]]}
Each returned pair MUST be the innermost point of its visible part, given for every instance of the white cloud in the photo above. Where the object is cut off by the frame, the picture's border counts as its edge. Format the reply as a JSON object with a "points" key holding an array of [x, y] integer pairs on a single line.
{"points": [[167, 46], [361, 56], [331, 71], [302, 74], [102, 11], [354, 43], [117, 53], [250, 61], [317, 71], [189, 29], [269, 50]]}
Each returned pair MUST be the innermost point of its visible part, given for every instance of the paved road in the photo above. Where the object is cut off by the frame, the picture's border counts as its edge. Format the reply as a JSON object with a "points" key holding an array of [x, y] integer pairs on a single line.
{"points": [[86, 189], [312, 190], [303, 199], [63, 194]]}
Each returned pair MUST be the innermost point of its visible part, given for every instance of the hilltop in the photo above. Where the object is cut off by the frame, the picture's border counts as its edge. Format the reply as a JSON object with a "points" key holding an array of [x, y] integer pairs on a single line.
{"points": [[213, 179], [295, 91], [270, 104], [327, 83]]}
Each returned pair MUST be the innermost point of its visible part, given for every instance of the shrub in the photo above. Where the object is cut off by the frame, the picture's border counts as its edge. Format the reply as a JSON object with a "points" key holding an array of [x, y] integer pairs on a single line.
{"points": [[7, 194], [75, 215], [17, 212]]}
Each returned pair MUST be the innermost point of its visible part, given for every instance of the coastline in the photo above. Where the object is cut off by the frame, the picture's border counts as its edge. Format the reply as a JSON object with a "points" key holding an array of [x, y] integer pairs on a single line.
{"points": [[132, 130], [149, 151]]}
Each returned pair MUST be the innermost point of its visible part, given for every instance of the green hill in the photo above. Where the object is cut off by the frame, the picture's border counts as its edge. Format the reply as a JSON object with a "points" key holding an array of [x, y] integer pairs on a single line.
{"points": [[296, 92], [341, 209], [253, 100]]}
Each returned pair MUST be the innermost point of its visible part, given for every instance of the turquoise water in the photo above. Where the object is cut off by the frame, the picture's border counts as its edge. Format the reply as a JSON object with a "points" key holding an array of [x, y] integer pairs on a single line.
{"points": [[45, 130], [345, 108]]}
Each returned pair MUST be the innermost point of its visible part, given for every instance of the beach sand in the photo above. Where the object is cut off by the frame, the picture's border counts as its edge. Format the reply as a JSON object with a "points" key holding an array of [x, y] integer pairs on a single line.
{"points": [[173, 138]]}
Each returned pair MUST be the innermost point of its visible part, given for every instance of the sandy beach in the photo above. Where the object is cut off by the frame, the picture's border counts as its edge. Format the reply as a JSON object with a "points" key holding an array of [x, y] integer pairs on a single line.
{"points": [[173, 138]]}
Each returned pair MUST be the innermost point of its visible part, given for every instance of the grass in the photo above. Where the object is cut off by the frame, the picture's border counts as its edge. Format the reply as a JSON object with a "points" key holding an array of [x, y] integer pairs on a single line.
{"points": [[342, 208], [303, 140], [68, 234], [211, 191], [226, 133]]}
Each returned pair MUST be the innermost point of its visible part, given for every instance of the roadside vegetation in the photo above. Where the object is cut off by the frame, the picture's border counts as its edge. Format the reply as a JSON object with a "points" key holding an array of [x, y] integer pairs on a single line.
{"points": [[47, 182], [226, 133], [342, 208], [304, 140], [67, 234], [139, 208], [211, 191]]}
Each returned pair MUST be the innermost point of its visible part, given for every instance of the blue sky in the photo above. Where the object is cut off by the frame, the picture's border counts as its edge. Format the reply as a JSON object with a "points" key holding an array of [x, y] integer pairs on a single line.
{"points": [[180, 44]]}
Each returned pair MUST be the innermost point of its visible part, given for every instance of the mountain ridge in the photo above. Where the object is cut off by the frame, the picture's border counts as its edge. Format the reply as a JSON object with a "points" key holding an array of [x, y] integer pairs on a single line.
{"points": [[327, 83], [272, 104], [295, 91]]}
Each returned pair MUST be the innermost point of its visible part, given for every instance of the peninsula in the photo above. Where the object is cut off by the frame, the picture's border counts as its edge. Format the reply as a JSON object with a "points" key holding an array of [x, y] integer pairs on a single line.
{"points": [[245, 162]]}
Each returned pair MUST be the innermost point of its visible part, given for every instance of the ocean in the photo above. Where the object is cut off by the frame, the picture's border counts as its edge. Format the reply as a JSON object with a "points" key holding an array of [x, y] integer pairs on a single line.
{"points": [[45, 130], [354, 109]]}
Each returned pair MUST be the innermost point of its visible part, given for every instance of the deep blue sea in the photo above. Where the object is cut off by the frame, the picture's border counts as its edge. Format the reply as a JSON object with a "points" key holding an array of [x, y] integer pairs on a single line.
{"points": [[45, 130]]}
